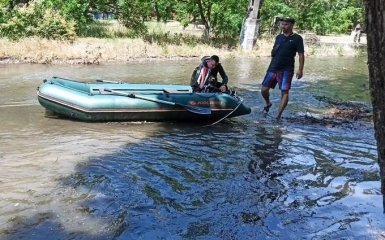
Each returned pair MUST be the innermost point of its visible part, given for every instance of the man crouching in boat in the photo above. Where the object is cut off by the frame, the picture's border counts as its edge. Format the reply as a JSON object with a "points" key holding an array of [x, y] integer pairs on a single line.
{"points": [[204, 77]]}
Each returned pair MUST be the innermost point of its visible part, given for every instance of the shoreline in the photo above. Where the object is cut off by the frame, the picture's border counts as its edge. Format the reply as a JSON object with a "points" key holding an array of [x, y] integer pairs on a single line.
{"points": [[108, 51]]}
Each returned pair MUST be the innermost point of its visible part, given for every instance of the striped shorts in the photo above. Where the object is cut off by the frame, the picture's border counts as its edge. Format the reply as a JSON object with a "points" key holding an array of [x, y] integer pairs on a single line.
{"points": [[283, 78]]}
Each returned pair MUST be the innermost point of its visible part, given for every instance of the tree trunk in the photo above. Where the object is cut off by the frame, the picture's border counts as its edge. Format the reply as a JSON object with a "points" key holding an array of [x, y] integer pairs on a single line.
{"points": [[375, 12], [205, 20], [250, 26], [156, 8]]}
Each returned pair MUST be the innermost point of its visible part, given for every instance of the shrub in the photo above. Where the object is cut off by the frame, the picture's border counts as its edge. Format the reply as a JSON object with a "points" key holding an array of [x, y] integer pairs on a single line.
{"points": [[35, 20], [54, 26]]}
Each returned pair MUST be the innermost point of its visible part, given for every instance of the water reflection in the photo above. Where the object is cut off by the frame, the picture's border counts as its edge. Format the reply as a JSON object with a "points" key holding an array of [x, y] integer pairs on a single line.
{"points": [[267, 151], [243, 178]]}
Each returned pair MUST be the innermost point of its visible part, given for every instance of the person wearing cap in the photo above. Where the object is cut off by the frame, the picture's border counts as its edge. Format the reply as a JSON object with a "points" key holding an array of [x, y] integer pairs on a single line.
{"points": [[281, 68], [205, 76]]}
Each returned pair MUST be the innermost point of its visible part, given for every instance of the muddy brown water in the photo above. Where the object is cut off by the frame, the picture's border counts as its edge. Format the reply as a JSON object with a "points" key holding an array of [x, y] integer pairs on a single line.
{"points": [[245, 178]]}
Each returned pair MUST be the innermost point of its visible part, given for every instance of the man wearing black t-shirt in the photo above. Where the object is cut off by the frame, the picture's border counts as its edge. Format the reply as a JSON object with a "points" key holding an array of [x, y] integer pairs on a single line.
{"points": [[205, 76], [281, 68]]}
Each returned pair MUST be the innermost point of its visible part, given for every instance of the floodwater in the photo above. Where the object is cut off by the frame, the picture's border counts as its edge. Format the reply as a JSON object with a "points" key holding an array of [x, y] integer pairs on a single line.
{"points": [[245, 178]]}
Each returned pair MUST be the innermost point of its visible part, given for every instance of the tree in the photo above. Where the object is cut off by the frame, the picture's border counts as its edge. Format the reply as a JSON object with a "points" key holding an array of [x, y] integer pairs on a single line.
{"points": [[375, 12], [220, 17], [72, 10], [164, 9], [227, 17], [320, 16], [196, 9], [132, 13]]}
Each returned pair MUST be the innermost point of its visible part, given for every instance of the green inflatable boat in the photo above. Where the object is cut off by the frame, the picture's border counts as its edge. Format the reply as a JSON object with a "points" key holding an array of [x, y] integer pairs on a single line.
{"points": [[113, 101]]}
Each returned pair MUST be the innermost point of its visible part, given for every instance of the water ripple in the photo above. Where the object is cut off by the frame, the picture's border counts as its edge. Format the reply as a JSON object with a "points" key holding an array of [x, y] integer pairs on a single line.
{"points": [[239, 179]]}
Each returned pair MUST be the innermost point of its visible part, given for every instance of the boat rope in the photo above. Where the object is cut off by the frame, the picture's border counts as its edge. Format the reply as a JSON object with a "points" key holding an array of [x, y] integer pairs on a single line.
{"points": [[220, 120]]}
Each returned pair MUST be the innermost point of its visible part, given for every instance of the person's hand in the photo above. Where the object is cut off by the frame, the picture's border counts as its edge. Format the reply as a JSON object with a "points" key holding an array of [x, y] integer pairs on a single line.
{"points": [[223, 88], [299, 74]]}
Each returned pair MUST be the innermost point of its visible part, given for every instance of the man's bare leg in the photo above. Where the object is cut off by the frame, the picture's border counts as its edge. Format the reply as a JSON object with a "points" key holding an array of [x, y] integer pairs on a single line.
{"points": [[266, 96], [283, 103]]}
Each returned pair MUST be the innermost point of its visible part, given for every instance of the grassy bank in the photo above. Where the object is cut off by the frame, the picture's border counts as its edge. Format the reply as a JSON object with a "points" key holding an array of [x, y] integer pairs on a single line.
{"points": [[98, 51], [165, 41], [95, 51]]}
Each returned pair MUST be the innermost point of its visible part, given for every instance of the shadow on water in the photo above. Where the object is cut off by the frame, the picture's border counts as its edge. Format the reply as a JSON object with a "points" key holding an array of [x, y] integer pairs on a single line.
{"points": [[239, 179]]}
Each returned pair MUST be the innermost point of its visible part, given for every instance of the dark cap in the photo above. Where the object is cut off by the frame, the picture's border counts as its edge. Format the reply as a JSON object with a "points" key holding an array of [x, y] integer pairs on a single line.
{"points": [[287, 19]]}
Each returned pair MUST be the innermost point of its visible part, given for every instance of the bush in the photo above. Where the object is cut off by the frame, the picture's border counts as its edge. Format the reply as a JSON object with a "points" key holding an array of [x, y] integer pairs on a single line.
{"points": [[35, 20], [54, 26]]}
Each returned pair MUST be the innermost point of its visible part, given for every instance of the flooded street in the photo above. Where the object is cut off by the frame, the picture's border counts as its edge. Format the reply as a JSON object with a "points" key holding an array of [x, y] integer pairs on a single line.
{"points": [[245, 178]]}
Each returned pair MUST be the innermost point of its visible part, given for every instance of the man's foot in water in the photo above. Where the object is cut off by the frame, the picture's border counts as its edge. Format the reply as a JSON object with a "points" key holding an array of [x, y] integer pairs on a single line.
{"points": [[267, 108]]}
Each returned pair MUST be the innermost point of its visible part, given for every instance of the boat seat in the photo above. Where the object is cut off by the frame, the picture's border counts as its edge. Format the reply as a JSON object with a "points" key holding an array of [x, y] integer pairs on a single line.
{"points": [[176, 90]]}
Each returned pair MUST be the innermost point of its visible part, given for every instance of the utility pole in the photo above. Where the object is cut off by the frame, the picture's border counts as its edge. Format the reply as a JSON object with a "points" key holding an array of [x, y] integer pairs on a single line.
{"points": [[250, 26]]}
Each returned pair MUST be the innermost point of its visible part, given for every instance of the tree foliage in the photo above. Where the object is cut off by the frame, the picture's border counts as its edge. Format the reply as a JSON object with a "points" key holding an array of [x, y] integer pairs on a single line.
{"points": [[227, 19], [319, 16], [35, 20], [221, 18], [133, 13], [72, 10], [164, 9]]}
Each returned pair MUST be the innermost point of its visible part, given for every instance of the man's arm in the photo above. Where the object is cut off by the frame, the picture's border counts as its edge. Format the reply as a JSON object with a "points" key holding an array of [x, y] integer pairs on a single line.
{"points": [[301, 57], [222, 72]]}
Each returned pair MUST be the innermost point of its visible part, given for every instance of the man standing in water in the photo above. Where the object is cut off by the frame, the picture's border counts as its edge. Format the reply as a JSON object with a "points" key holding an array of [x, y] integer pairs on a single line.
{"points": [[281, 68]]}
